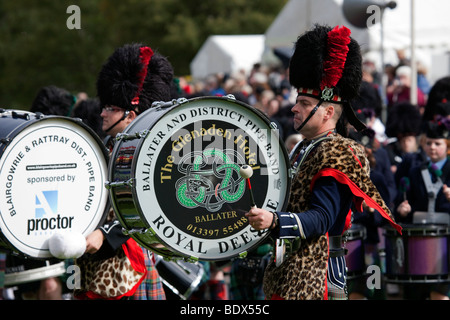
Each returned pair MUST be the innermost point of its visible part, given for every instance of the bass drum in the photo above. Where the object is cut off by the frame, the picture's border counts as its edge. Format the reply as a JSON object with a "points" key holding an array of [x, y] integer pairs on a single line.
{"points": [[174, 177], [52, 174]]}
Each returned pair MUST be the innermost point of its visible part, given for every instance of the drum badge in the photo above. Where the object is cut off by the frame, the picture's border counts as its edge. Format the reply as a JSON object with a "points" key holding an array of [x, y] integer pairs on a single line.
{"points": [[189, 196], [197, 188]]}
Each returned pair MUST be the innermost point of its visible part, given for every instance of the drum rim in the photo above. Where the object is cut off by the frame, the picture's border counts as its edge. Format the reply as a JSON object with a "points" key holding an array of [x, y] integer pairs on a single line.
{"points": [[360, 232], [35, 274], [20, 127], [29, 122], [33, 121], [138, 147], [427, 230]]}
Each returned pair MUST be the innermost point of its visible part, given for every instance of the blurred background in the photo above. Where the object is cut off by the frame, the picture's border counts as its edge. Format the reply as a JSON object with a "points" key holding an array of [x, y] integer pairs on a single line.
{"points": [[203, 38], [37, 49]]}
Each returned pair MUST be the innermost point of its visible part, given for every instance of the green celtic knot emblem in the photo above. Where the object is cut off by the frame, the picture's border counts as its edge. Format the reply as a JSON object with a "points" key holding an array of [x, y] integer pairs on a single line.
{"points": [[210, 180]]}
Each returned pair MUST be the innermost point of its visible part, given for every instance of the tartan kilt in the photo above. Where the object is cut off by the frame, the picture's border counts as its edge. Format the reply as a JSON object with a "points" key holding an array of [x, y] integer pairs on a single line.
{"points": [[336, 293], [151, 287]]}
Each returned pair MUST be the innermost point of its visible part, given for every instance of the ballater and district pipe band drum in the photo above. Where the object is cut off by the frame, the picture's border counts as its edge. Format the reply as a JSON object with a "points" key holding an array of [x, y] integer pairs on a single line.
{"points": [[175, 180]]}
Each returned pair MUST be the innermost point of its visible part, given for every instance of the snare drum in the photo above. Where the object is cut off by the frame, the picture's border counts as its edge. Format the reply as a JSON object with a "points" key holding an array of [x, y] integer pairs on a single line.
{"points": [[420, 255], [179, 277], [174, 177], [355, 257], [52, 175]]}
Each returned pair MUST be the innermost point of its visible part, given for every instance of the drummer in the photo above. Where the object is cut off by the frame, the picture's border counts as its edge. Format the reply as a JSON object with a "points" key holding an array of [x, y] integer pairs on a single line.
{"points": [[129, 82], [437, 168], [326, 71]]}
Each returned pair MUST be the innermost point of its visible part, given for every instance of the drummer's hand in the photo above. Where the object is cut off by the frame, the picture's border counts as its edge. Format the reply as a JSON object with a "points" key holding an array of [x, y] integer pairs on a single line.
{"points": [[94, 241], [404, 208], [259, 219], [446, 191]]}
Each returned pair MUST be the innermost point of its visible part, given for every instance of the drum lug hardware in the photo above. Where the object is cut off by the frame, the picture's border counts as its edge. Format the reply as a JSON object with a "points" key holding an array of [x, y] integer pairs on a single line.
{"points": [[25, 116], [274, 126], [110, 185], [133, 231], [163, 104], [191, 259], [230, 97], [136, 135], [243, 255], [5, 140], [292, 172], [181, 100]]}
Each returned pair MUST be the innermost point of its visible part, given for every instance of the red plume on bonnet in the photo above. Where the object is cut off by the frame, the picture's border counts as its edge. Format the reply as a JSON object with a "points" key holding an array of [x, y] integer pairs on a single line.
{"points": [[145, 55], [333, 66]]}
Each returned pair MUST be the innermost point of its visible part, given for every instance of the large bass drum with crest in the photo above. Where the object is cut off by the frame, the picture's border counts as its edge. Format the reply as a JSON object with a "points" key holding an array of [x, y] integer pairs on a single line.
{"points": [[52, 175], [174, 177]]}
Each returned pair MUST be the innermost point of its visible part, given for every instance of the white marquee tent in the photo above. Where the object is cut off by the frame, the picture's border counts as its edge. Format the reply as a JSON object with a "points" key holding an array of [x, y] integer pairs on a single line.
{"points": [[227, 53], [431, 25]]}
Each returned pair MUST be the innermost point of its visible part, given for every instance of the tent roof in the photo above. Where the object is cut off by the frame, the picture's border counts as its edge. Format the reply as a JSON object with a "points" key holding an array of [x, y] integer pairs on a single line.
{"points": [[432, 25], [298, 16], [227, 53]]}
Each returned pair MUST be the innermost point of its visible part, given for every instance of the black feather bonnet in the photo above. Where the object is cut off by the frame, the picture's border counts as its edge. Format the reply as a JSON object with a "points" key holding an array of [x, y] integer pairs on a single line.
{"points": [[134, 77], [327, 65]]}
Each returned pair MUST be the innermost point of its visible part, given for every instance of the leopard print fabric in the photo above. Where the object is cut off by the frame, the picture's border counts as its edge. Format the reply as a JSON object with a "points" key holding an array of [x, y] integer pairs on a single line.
{"points": [[108, 278], [303, 275]]}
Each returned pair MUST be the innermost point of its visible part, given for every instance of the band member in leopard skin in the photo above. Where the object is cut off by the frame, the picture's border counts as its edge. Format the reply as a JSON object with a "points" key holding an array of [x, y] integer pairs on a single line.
{"points": [[331, 172]]}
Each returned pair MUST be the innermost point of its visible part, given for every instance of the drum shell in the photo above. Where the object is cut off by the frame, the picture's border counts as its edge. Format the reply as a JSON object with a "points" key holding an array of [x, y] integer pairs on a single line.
{"points": [[123, 197], [355, 256], [124, 168], [121, 169], [17, 122], [419, 255]]}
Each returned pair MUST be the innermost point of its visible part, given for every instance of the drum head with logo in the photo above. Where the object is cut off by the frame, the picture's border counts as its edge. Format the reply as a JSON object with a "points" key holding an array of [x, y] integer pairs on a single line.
{"points": [[187, 180], [52, 173]]}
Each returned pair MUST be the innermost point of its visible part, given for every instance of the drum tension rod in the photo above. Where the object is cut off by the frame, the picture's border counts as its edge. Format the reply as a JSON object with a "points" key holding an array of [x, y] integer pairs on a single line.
{"points": [[136, 135], [168, 104], [110, 185], [25, 116], [133, 231], [5, 140]]}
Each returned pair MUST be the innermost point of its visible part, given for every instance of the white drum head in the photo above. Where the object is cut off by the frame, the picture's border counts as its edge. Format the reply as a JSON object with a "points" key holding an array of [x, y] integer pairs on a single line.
{"points": [[52, 176]]}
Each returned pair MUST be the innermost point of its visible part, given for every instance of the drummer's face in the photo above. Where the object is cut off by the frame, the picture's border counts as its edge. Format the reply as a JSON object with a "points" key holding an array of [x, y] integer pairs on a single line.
{"points": [[301, 111], [436, 149], [110, 115]]}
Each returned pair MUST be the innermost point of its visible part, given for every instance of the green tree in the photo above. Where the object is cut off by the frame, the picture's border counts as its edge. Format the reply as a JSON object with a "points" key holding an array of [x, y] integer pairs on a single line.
{"points": [[37, 48]]}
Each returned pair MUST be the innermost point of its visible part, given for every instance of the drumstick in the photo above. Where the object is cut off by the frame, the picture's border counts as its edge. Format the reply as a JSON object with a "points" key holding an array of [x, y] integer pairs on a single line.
{"points": [[246, 172], [404, 186]]}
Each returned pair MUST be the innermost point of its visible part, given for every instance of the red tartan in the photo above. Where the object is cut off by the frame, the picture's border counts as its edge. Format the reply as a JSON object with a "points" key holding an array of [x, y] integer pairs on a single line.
{"points": [[151, 287]]}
